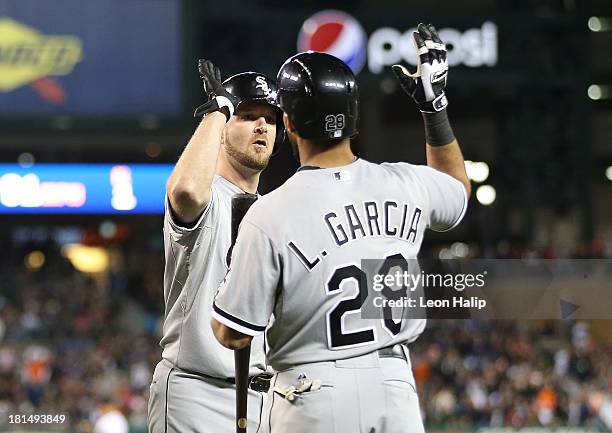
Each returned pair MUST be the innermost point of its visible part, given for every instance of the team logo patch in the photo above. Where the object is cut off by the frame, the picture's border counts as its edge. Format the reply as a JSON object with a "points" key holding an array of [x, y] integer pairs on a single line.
{"points": [[342, 176], [337, 33]]}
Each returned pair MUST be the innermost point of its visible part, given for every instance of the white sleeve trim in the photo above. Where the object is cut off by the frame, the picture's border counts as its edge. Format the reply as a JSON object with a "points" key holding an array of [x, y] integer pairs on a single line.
{"points": [[225, 320]]}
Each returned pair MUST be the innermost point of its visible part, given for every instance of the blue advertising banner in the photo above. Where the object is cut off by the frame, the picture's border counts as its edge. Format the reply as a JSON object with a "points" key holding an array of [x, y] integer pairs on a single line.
{"points": [[90, 58], [83, 188]]}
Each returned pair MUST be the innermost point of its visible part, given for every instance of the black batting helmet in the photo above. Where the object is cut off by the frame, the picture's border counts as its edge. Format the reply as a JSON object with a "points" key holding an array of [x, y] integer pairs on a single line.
{"points": [[252, 86], [319, 94]]}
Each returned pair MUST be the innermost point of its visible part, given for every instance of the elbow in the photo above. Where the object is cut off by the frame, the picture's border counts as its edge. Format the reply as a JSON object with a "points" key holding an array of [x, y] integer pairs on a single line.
{"points": [[229, 338], [185, 197], [234, 344]]}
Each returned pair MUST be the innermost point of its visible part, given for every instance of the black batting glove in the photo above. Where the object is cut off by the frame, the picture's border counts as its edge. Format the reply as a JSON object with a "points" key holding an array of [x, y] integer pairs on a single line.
{"points": [[426, 85], [219, 99]]}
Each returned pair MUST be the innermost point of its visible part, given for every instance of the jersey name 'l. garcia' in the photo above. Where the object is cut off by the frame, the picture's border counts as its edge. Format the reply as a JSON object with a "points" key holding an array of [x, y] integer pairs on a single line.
{"points": [[373, 219]]}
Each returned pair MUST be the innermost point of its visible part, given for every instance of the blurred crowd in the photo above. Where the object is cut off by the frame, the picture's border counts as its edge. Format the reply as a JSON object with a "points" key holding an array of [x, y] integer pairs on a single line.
{"points": [[506, 374], [507, 249], [82, 345], [77, 345]]}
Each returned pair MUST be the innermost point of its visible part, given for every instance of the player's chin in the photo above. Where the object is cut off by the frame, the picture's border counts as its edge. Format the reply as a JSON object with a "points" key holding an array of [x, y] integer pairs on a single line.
{"points": [[258, 160]]}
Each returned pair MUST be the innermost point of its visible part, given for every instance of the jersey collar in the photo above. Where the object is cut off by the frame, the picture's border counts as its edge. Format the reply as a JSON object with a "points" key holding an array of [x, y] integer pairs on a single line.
{"points": [[308, 167], [314, 167], [235, 188]]}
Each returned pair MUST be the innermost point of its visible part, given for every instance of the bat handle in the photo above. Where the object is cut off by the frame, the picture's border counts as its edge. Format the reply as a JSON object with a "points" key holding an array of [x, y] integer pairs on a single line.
{"points": [[240, 205], [241, 425], [241, 358]]}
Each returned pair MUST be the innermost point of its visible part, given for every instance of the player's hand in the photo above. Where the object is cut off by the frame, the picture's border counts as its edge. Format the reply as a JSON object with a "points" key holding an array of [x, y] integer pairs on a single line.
{"points": [[219, 99], [426, 85]]}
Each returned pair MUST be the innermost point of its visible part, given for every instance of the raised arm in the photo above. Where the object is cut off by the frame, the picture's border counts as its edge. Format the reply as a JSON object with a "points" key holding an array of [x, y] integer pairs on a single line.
{"points": [[426, 86], [188, 187], [449, 159]]}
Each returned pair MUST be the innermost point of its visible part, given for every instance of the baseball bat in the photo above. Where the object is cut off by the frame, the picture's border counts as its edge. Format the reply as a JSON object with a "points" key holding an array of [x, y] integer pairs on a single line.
{"points": [[240, 205]]}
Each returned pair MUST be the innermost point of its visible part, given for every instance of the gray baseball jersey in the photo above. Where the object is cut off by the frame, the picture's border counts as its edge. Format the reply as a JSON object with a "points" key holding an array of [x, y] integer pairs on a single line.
{"points": [[196, 262], [299, 249]]}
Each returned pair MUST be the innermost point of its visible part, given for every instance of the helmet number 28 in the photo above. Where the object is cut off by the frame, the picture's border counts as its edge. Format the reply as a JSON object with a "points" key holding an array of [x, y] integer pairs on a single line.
{"points": [[334, 122]]}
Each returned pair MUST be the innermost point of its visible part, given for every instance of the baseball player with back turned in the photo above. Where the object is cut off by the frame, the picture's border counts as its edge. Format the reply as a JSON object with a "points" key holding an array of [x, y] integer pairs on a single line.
{"points": [[295, 270], [193, 387]]}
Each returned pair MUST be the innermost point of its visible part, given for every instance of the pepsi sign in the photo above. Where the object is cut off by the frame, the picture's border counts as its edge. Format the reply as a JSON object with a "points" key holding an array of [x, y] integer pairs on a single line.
{"points": [[340, 34], [336, 33]]}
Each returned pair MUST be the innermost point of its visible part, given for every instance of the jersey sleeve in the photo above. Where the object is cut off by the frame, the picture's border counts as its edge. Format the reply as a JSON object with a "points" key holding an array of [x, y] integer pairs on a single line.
{"points": [[187, 234], [447, 198], [246, 297]]}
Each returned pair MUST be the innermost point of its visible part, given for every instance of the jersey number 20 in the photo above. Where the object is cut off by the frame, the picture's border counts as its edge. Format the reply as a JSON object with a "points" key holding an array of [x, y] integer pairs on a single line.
{"points": [[337, 337]]}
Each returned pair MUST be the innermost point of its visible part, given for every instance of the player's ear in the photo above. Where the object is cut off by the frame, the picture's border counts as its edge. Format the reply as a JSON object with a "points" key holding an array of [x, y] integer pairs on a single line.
{"points": [[288, 123]]}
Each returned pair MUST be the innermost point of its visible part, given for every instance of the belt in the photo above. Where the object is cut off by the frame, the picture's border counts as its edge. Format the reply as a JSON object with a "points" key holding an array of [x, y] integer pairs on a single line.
{"points": [[259, 383], [395, 351]]}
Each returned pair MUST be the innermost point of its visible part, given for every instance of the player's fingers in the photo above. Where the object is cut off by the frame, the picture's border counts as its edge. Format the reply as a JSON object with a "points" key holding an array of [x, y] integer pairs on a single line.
{"points": [[421, 49], [433, 47], [211, 73], [438, 44], [211, 69], [208, 73], [205, 67], [423, 30], [426, 36], [434, 35], [402, 73], [203, 70], [427, 42], [407, 81], [418, 40], [201, 66]]}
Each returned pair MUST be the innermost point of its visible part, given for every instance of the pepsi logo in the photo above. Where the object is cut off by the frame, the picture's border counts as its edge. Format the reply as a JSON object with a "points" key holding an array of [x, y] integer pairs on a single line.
{"points": [[337, 33]]}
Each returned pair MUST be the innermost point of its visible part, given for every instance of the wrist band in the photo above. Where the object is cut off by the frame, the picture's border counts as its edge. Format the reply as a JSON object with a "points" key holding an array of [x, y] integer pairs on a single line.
{"points": [[225, 102], [438, 131]]}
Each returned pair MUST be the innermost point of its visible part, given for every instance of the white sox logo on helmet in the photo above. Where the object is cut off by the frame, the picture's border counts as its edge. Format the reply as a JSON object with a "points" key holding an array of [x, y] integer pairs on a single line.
{"points": [[262, 84]]}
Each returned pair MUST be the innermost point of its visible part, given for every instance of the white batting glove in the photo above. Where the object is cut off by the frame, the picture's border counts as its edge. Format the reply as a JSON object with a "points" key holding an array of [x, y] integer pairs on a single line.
{"points": [[426, 85]]}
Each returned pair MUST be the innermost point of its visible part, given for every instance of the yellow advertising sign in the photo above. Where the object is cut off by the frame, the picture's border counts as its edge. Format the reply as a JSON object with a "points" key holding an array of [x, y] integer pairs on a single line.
{"points": [[27, 55]]}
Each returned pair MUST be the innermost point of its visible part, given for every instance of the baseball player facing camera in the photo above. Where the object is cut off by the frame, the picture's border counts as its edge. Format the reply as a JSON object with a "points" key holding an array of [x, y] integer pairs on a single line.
{"points": [[297, 275], [193, 387]]}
